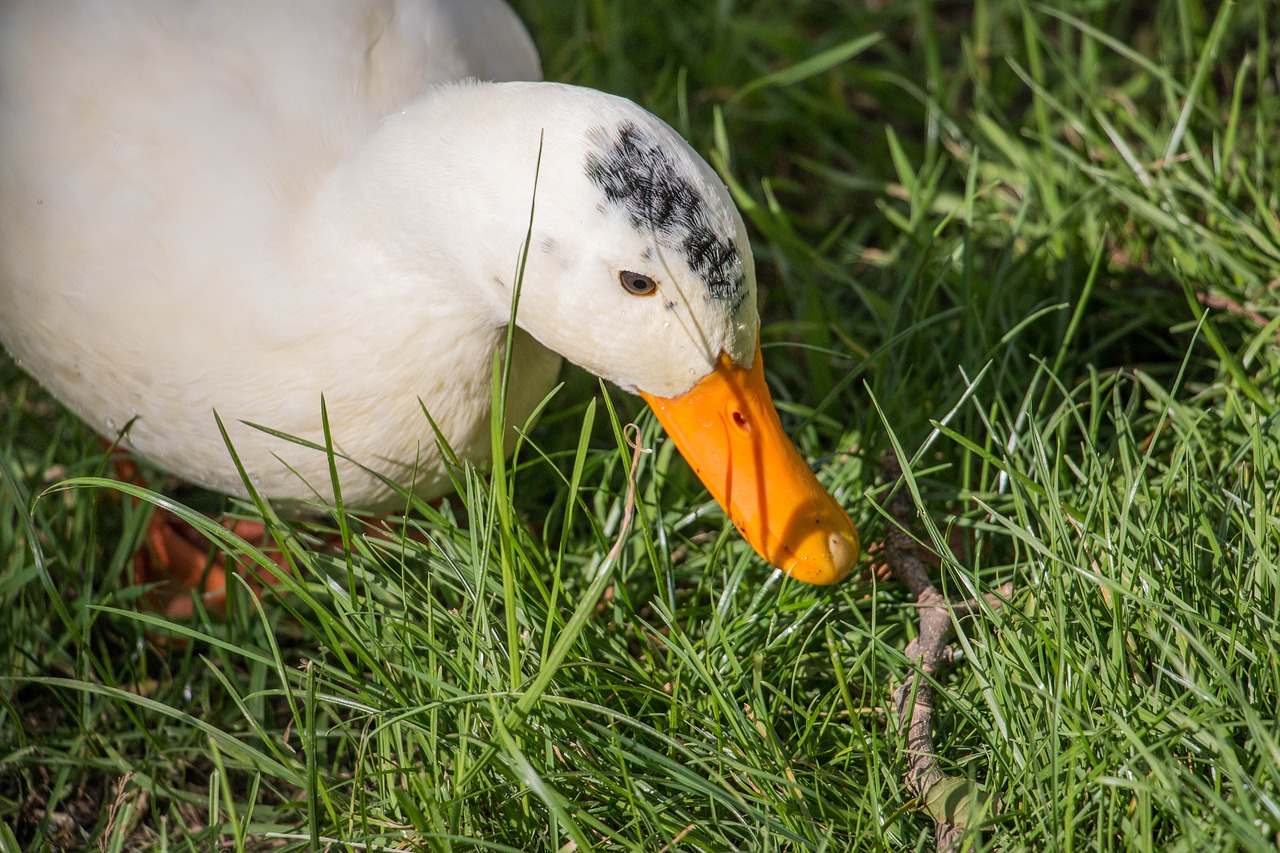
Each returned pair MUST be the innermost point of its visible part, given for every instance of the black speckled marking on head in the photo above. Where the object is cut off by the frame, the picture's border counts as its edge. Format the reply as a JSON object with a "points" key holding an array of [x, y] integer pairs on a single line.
{"points": [[637, 174]]}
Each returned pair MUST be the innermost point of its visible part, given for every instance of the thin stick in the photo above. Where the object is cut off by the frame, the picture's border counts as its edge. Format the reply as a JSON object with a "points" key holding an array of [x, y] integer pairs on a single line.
{"points": [[632, 433], [931, 649]]}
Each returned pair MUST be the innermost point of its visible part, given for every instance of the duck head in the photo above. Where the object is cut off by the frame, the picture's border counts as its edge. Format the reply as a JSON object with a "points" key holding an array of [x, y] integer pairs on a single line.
{"points": [[669, 294]]}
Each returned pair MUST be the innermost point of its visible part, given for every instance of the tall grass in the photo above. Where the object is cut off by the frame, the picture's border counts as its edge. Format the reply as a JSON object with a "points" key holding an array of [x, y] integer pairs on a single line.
{"points": [[1033, 248]]}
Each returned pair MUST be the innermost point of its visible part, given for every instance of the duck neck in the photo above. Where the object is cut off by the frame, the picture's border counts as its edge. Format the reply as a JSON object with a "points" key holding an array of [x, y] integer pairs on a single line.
{"points": [[415, 239], [443, 192]]}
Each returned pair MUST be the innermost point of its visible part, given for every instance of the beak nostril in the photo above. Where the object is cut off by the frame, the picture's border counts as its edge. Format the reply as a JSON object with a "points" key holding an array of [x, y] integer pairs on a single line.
{"points": [[741, 421]]}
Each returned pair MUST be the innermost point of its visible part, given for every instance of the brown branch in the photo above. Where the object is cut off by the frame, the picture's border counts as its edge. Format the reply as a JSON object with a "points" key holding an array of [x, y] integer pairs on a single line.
{"points": [[930, 650]]}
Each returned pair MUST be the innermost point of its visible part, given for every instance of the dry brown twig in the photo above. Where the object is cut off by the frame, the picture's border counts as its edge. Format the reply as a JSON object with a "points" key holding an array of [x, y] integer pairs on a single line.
{"points": [[931, 649]]}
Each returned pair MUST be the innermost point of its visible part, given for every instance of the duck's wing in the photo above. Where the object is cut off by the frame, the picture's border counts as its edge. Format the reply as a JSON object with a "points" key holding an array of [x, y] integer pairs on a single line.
{"points": [[205, 124], [235, 93]]}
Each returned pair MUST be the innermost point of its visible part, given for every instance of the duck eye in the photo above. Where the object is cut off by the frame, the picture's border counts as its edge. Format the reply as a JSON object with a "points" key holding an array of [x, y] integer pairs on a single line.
{"points": [[637, 284]]}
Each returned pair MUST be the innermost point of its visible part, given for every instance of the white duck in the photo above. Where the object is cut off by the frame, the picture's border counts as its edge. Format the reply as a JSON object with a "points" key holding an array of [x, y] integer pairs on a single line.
{"points": [[238, 206]]}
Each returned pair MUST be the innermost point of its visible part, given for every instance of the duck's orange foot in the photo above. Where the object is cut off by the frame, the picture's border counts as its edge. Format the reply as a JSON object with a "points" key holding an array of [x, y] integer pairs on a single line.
{"points": [[179, 562], [184, 564]]}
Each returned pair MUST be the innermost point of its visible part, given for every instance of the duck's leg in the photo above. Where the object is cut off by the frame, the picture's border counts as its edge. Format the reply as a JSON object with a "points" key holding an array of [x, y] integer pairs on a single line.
{"points": [[183, 563], [179, 562]]}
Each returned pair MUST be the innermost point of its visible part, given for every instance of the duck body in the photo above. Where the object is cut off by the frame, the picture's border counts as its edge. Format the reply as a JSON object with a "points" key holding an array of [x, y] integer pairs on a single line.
{"points": [[162, 164], [243, 208]]}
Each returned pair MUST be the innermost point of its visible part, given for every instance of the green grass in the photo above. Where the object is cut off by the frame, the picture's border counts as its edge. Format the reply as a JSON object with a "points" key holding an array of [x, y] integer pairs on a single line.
{"points": [[1035, 250]]}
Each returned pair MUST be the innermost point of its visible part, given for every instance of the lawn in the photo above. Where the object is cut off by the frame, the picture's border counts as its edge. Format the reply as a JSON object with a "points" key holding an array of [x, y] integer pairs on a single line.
{"points": [[1032, 250]]}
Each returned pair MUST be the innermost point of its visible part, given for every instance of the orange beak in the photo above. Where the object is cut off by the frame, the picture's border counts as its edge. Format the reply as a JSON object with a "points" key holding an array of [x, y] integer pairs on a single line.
{"points": [[728, 430]]}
